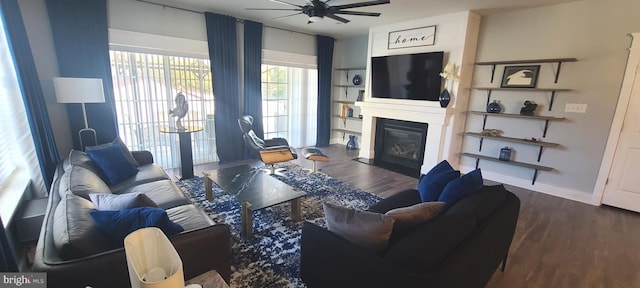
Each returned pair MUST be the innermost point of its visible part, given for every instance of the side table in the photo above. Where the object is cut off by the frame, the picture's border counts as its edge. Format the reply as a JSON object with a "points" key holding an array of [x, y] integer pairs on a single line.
{"points": [[186, 154], [210, 279]]}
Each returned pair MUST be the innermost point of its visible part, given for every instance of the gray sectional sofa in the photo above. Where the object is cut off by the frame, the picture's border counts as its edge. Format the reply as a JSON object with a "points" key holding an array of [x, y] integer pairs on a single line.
{"points": [[76, 253]]}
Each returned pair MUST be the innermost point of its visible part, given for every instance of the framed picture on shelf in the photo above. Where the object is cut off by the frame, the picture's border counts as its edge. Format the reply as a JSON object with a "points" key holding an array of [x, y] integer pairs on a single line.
{"points": [[520, 76]]}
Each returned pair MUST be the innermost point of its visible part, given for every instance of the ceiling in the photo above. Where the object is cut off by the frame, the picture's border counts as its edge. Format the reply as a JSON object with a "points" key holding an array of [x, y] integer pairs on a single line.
{"points": [[396, 11]]}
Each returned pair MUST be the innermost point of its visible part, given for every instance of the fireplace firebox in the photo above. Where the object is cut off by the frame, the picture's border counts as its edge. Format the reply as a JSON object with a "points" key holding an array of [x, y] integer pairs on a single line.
{"points": [[399, 145]]}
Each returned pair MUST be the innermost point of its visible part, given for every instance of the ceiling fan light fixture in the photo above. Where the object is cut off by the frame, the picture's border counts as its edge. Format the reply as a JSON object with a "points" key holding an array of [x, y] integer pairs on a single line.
{"points": [[315, 18]]}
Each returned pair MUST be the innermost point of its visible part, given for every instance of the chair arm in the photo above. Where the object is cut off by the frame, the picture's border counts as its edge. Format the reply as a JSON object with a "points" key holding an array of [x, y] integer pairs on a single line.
{"points": [[404, 198], [328, 260], [143, 157], [205, 249], [200, 250], [276, 142], [276, 148]]}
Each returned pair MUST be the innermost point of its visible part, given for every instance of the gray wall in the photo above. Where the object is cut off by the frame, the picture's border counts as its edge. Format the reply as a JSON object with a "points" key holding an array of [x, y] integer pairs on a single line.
{"points": [[593, 31]]}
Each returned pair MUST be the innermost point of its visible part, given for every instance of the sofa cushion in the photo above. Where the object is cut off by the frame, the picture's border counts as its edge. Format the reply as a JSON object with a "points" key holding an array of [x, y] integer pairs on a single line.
{"points": [[75, 235], [364, 228], [190, 217], [146, 173], [122, 201], [79, 158], [425, 247], [118, 224], [163, 192], [407, 218], [112, 161], [482, 203], [81, 182], [118, 142], [432, 184], [458, 188]]}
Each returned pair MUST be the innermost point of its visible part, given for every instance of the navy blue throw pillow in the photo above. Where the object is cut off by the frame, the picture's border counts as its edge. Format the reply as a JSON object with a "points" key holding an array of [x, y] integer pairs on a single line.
{"points": [[458, 188], [113, 162], [118, 224], [431, 184]]}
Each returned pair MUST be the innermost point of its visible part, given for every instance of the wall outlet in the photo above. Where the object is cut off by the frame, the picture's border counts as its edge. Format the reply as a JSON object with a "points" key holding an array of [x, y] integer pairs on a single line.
{"points": [[575, 108]]}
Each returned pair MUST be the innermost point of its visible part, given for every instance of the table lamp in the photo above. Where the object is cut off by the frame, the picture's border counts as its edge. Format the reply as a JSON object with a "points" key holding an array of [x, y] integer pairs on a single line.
{"points": [[80, 90], [152, 260]]}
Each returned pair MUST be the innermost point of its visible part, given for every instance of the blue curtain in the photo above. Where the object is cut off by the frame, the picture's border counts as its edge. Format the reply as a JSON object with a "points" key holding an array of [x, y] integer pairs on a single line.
{"points": [[324, 48], [34, 102], [223, 52], [7, 260], [81, 40], [252, 104]]}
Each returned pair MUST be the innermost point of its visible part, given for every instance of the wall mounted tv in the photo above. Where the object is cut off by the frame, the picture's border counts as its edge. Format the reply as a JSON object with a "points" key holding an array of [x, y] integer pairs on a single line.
{"points": [[408, 76]]}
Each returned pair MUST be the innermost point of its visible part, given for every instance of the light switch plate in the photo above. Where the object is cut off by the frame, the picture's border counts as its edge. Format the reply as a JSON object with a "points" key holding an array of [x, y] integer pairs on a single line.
{"points": [[575, 108]]}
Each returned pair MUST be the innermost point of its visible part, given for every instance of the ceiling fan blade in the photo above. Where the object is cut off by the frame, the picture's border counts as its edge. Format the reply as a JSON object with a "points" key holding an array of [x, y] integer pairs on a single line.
{"points": [[357, 13], [294, 14], [272, 9], [286, 3], [334, 17], [361, 4]]}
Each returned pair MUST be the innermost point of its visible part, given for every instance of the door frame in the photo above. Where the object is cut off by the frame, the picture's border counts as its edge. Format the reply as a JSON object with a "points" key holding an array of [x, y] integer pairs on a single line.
{"points": [[618, 119]]}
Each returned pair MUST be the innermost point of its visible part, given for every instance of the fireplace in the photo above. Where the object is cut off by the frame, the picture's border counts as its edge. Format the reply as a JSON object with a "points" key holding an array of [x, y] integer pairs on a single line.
{"points": [[400, 145]]}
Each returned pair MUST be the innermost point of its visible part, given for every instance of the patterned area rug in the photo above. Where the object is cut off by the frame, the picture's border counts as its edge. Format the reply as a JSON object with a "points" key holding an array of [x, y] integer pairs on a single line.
{"points": [[272, 257]]}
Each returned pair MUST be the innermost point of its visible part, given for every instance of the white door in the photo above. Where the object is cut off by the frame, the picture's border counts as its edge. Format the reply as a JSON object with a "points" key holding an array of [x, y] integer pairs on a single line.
{"points": [[623, 188]]}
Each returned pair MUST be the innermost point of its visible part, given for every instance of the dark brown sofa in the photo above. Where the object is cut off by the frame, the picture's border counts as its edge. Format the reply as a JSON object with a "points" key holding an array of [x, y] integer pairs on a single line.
{"points": [[458, 249], [80, 255]]}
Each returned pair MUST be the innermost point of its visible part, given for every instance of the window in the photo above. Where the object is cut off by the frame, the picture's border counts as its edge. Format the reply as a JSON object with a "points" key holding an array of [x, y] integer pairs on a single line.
{"points": [[19, 166], [289, 101], [145, 86]]}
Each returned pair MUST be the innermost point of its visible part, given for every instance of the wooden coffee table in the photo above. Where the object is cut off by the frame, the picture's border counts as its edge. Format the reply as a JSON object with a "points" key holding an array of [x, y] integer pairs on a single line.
{"points": [[255, 190]]}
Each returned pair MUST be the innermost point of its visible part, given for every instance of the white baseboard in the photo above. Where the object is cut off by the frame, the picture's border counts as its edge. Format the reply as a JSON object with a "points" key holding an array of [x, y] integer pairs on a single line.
{"points": [[570, 194]]}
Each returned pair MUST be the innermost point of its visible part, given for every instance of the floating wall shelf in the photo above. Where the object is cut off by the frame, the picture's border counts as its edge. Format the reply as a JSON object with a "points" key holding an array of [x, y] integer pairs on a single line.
{"points": [[536, 168], [530, 61]]}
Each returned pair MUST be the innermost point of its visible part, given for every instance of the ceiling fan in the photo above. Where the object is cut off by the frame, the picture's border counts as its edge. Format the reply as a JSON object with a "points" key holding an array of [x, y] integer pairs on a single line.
{"points": [[317, 9]]}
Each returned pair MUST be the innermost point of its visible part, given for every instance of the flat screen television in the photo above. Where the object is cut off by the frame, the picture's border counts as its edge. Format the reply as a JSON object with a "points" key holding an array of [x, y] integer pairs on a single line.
{"points": [[408, 76]]}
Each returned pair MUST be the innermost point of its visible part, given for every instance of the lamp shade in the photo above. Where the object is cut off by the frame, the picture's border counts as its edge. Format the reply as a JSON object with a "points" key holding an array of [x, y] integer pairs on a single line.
{"points": [[152, 261], [78, 90]]}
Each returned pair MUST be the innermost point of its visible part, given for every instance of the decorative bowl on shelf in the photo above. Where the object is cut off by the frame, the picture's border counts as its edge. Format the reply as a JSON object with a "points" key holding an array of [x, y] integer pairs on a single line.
{"points": [[357, 80], [494, 107]]}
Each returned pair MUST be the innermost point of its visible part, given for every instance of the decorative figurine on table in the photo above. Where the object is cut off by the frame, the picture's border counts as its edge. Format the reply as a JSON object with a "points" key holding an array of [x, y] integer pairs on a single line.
{"points": [[182, 107], [529, 108]]}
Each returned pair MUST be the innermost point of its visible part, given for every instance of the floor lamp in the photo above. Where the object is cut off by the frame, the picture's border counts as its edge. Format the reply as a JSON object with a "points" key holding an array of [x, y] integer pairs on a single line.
{"points": [[80, 90]]}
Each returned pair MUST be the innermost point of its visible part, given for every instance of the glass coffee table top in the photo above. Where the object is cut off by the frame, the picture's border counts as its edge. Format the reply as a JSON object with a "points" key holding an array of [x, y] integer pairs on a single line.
{"points": [[254, 186], [255, 190]]}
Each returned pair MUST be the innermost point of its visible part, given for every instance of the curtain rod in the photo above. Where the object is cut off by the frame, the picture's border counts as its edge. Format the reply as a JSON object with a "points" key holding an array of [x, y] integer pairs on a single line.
{"points": [[200, 12]]}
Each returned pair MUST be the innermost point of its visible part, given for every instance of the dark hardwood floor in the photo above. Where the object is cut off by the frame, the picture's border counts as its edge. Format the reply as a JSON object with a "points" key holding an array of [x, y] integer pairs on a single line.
{"points": [[558, 242]]}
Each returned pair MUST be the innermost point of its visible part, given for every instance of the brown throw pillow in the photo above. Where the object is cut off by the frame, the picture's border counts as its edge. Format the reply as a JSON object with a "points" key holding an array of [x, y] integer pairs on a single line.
{"points": [[367, 229], [409, 217]]}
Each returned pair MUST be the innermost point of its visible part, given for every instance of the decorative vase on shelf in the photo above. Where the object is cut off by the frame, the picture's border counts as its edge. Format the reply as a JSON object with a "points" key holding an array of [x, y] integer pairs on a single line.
{"points": [[494, 107], [357, 80], [352, 144], [444, 98], [505, 154]]}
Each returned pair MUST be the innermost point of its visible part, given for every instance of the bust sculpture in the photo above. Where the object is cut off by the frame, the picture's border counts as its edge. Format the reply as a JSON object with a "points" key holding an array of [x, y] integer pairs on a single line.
{"points": [[182, 107], [528, 108]]}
